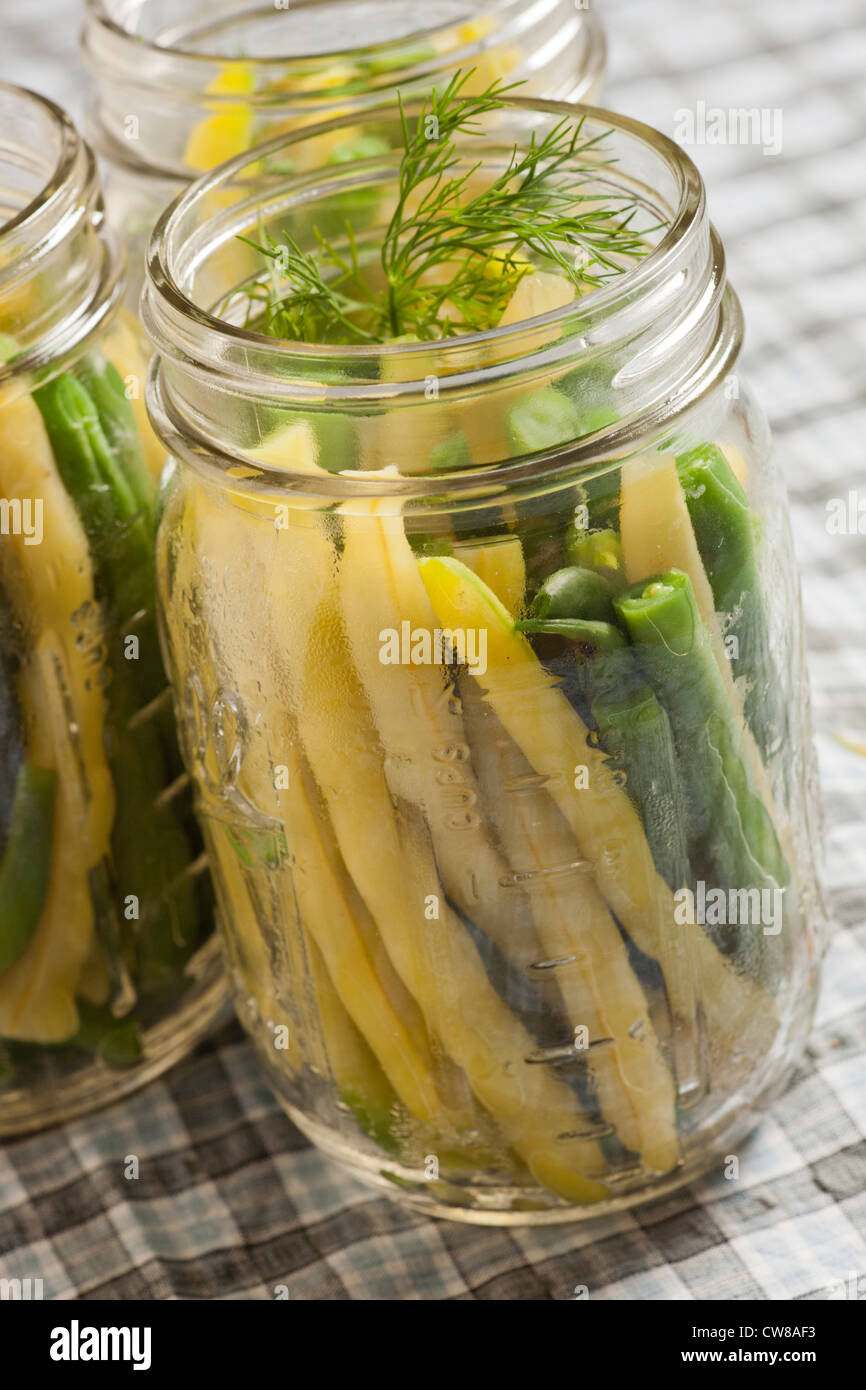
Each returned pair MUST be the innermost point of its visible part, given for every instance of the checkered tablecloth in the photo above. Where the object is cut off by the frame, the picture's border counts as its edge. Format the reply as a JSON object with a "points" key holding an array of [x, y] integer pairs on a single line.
{"points": [[231, 1200]]}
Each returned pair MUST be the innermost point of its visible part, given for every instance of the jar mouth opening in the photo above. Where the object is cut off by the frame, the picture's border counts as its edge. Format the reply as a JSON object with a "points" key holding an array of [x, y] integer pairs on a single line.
{"points": [[61, 272], [165, 300], [49, 176], [622, 358], [461, 28]]}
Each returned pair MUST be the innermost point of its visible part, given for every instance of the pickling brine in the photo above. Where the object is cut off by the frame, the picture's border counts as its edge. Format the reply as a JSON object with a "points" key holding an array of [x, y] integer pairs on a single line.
{"points": [[483, 626]]}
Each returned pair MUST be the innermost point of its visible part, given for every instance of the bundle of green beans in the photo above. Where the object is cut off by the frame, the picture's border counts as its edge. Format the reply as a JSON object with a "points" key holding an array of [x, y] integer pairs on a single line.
{"points": [[690, 749], [89, 755]]}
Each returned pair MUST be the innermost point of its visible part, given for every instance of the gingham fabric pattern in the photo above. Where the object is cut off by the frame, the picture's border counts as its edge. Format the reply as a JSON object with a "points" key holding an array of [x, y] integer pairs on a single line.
{"points": [[231, 1201]]}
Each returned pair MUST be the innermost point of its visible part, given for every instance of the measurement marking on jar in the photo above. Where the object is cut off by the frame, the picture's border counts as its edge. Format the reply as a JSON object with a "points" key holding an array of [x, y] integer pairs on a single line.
{"points": [[140, 613], [599, 1131], [690, 1092], [565, 1052], [180, 784], [526, 782], [551, 964], [527, 878], [151, 709], [198, 866], [625, 1177]]}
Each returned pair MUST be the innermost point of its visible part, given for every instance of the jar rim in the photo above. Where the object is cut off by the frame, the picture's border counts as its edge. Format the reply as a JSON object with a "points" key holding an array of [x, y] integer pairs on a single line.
{"points": [[604, 302], [564, 461], [57, 238], [97, 14], [156, 83], [69, 147]]}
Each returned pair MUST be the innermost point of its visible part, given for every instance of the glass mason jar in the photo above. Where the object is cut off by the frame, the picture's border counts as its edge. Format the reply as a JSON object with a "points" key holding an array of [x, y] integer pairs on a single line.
{"points": [[104, 972], [523, 921], [182, 85]]}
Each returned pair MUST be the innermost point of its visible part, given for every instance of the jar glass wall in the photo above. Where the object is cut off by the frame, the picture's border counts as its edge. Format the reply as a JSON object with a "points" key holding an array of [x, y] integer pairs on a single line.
{"points": [[105, 974], [520, 900], [180, 87]]}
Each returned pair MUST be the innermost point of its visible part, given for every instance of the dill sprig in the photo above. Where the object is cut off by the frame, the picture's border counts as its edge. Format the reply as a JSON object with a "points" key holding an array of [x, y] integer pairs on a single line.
{"points": [[298, 301], [451, 257], [535, 206]]}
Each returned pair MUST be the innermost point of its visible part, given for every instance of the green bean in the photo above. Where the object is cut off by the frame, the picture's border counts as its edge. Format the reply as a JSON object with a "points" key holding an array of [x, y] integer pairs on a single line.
{"points": [[541, 420], [119, 533], [635, 732], [593, 636], [105, 387], [149, 843], [725, 533], [11, 734], [451, 453], [599, 550], [728, 822], [574, 592], [116, 1040], [150, 848]]}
